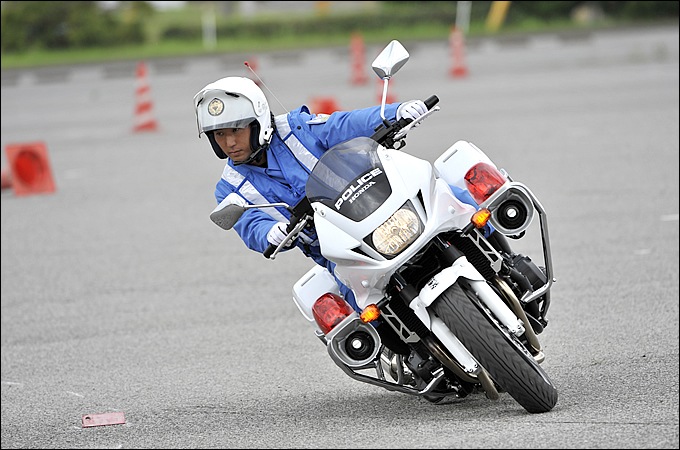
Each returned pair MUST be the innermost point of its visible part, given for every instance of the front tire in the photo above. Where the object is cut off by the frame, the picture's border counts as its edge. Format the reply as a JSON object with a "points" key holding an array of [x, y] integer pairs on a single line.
{"points": [[500, 353]]}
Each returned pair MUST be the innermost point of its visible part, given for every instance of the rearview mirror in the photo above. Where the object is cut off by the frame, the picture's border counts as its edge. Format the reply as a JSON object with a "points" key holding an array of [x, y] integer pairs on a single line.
{"points": [[390, 60], [227, 213]]}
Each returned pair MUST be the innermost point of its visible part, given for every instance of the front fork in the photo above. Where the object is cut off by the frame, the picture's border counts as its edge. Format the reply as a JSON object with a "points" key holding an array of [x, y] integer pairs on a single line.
{"points": [[512, 317]]}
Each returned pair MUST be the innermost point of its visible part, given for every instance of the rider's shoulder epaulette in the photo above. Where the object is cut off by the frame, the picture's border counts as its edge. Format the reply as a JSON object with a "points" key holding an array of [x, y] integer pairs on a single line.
{"points": [[319, 118]]}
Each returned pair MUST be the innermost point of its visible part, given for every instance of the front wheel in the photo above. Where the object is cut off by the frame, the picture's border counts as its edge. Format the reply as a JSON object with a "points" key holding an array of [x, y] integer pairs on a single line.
{"points": [[500, 353]]}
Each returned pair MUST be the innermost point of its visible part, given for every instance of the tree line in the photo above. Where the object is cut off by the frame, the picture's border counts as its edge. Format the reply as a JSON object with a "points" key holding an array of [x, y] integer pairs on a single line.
{"points": [[59, 25]]}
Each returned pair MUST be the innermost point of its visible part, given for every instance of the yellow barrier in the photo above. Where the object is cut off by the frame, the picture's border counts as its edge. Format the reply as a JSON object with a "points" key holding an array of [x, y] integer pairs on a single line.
{"points": [[496, 15]]}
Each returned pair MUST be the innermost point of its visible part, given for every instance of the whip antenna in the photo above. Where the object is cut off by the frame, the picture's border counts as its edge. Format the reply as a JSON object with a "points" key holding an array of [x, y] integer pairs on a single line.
{"points": [[263, 84]]}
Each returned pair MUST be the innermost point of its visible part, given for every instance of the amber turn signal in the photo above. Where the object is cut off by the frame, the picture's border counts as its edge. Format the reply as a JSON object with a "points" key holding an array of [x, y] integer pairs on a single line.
{"points": [[370, 313], [480, 218]]}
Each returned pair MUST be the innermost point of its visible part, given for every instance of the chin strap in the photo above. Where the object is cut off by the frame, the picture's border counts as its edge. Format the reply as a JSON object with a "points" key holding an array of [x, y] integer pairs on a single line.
{"points": [[258, 157]]}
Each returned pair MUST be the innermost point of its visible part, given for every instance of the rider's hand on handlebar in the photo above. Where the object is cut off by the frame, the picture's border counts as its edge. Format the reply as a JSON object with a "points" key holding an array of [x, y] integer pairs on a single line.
{"points": [[277, 233], [411, 110]]}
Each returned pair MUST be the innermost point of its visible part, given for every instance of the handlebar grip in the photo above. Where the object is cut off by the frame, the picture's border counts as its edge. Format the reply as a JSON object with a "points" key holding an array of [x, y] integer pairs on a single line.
{"points": [[431, 101], [269, 250], [272, 248]]}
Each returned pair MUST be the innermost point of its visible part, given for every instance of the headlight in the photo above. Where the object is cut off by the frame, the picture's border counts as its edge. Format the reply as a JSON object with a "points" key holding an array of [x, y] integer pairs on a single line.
{"points": [[397, 232]]}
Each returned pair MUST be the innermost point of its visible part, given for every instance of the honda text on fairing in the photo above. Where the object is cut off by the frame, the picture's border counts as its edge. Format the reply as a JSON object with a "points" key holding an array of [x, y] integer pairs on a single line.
{"points": [[463, 310]]}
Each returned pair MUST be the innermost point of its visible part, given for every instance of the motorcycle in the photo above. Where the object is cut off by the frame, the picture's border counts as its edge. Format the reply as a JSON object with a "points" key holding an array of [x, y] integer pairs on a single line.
{"points": [[447, 308]]}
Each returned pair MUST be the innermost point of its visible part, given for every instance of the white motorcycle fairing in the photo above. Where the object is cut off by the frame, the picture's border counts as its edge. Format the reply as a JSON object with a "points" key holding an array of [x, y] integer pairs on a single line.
{"points": [[361, 267]]}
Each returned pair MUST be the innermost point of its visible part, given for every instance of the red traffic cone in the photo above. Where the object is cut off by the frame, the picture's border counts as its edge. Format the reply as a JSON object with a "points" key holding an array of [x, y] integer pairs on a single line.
{"points": [[358, 54], [457, 45], [144, 120], [30, 169]]}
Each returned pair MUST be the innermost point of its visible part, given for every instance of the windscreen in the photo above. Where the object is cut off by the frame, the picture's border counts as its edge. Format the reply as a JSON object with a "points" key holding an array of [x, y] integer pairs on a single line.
{"points": [[350, 179]]}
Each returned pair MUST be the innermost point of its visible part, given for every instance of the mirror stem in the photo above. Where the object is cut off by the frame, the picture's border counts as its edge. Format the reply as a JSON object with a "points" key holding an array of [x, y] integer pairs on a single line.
{"points": [[384, 98]]}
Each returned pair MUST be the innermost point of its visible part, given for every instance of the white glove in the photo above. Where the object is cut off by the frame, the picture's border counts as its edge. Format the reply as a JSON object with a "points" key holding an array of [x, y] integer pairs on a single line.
{"points": [[411, 110], [277, 233]]}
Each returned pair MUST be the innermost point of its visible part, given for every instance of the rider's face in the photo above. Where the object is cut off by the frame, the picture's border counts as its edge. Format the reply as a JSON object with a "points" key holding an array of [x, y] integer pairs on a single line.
{"points": [[235, 142]]}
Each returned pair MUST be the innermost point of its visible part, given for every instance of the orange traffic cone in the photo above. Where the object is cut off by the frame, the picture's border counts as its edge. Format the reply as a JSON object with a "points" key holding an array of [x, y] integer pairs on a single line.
{"points": [[6, 178], [358, 54], [324, 105], [391, 98], [457, 45], [30, 169], [144, 120]]}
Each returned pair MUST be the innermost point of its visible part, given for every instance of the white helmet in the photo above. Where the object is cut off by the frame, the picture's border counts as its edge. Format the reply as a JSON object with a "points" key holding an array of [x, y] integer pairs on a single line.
{"points": [[234, 102]]}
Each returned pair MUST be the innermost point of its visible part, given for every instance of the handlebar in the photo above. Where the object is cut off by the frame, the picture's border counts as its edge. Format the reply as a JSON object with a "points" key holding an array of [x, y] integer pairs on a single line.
{"points": [[386, 134], [269, 250], [431, 101], [299, 213]]}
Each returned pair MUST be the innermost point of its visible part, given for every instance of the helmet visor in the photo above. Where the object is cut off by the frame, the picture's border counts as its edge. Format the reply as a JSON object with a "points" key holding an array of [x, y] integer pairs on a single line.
{"points": [[222, 110]]}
